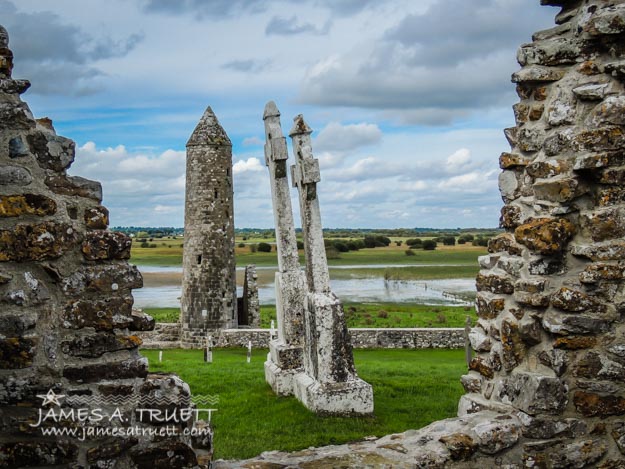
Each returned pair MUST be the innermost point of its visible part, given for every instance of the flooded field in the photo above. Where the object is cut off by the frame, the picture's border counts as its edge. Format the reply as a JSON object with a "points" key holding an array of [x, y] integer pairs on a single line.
{"points": [[359, 284]]}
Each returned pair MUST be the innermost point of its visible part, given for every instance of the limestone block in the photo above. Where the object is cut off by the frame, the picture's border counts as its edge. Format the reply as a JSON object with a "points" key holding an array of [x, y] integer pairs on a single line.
{"points": [[512, 345], [52, 152], [498, 434], [480, 341], [494, 283], [106, 245], [593, 91], [96, 345], [37, 453], [556, 323], [605, 223], [74, 186], [17, 148], [141, 321], [511, 160], [544, 235], [15, 175], [48, 240], [17, 352], [592, 405], [593, 365], [26, 204], [537, 74], [505, 242], [549, 52], [598, 140], [511, 216], [96, 218], [103, 315], [574, 301], [488, 306], [534, 393], [575, 342], [94, 372], [460, 446], [609, 20], [604, 251], [102, 279], [354, 397], [618, 433]]}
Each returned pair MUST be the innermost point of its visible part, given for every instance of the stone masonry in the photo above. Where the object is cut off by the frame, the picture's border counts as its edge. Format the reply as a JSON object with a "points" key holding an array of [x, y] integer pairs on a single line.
{"points": [[546, 388], [167, 335], [329, 383], [251, 303], [66, 325], [285, 357], [209, 295]]}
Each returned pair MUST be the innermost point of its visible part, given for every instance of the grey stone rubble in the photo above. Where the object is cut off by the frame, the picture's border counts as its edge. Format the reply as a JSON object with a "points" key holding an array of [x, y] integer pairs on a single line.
{"points": [[167, 335], [546, 388], [66, 320], [285, 358], [329, 383]]}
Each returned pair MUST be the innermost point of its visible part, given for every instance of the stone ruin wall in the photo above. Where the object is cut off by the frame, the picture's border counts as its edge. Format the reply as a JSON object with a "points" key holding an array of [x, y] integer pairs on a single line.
{"points": [[167, 335], [546, 386], [66, 321]]}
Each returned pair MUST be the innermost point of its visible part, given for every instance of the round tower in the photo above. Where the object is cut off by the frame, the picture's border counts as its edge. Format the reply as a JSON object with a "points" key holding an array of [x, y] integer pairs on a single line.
{"points": [[209, 272]]}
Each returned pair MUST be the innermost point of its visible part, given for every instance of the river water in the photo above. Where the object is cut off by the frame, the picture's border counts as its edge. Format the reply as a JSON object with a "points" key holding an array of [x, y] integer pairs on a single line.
{"points": [[163, 287]]}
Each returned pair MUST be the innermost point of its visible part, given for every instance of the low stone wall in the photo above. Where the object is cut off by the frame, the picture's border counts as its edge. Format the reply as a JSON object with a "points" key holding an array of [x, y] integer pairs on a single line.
{"points": [[166, 335]]}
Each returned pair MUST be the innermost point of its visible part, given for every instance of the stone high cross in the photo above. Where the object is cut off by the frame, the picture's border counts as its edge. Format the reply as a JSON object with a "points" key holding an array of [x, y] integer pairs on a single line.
{"points": [[329, 384], [285, 352]]}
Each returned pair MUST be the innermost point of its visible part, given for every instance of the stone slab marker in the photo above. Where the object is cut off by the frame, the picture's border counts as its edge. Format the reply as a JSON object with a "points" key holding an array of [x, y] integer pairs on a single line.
{"points": [[251, 303], [209, 298], [67, 329], [285, 352], [329, 383]]}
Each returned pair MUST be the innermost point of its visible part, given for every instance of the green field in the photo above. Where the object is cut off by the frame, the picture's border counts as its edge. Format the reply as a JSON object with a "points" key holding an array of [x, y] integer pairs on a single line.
{"points": [[169, 253], [366, 315], [412, 388]]}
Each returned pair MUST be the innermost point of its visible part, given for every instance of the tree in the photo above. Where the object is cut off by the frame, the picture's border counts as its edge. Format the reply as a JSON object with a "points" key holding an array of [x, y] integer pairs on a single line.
{"points": [[264, 247], [429, 245], [449, 240], [414, 242]]}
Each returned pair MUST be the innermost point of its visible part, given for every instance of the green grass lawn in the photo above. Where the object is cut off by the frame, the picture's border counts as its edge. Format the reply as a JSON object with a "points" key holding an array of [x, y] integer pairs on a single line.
{"points": [[366, 315], [412, 388]]}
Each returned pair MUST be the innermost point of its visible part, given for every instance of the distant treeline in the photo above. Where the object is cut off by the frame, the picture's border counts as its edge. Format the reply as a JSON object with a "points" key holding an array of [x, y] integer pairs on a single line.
{"points": [[346, 233]]}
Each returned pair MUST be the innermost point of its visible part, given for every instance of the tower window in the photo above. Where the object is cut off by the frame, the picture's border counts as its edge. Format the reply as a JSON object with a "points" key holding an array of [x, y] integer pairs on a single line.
{"points": [[199, 259], [216, 193], [227, 171], [227, 214]]}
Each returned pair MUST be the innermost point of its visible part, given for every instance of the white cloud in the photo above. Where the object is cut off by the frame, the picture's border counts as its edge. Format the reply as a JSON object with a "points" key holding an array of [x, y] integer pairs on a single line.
{"points": [[249, 165], [338, 137]]}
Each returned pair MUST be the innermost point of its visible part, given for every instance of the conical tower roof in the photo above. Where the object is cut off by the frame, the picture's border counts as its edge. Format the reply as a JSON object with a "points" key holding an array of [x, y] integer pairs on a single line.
{"points": [[209, 131]]}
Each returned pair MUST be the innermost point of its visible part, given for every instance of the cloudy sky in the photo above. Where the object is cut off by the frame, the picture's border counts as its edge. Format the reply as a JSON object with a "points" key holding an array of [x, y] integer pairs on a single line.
{"points": [[407, 99]]}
